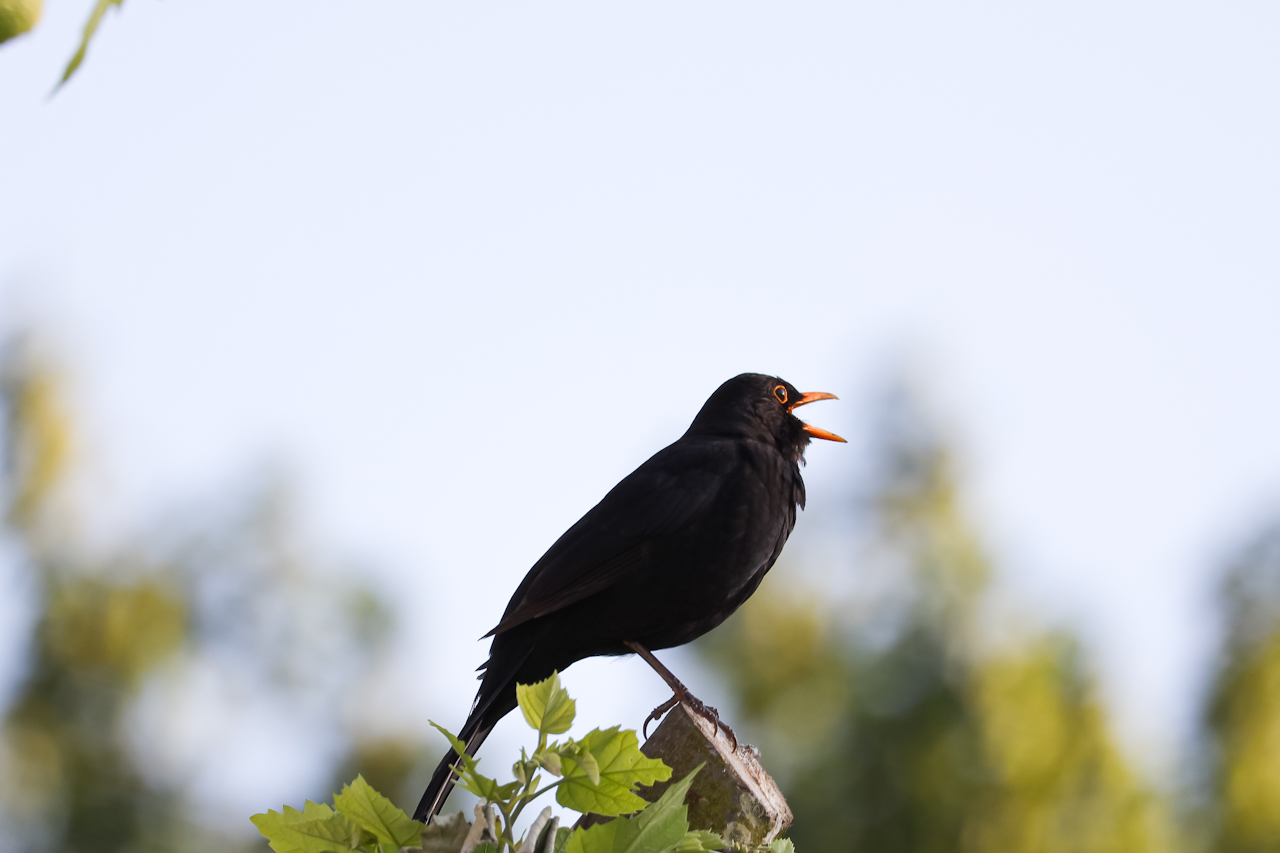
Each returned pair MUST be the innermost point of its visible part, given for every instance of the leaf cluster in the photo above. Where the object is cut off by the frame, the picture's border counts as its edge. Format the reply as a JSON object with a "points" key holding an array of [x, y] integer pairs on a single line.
{"points": [[361, 819], [596, 774]]}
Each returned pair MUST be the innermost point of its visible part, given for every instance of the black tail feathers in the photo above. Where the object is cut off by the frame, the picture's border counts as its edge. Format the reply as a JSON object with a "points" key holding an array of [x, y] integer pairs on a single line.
{"points": [[495, 699], [443, 779]]}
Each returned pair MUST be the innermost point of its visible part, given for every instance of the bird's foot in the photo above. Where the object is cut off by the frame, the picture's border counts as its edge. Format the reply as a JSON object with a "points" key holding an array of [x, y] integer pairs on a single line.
{"points": [[656, 714], [697, 706]]}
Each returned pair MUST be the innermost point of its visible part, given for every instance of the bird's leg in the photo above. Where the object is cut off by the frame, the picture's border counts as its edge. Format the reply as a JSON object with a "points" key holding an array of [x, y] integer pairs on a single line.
{"points": [[682, 694]]}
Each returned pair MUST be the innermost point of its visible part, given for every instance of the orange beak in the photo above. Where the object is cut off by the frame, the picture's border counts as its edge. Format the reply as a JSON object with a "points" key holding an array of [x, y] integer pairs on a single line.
{"points": [[811, 397]]}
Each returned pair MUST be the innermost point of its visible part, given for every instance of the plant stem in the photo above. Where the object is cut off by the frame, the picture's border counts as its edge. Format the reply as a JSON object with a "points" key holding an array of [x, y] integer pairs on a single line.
{"points": [[504, 838]]}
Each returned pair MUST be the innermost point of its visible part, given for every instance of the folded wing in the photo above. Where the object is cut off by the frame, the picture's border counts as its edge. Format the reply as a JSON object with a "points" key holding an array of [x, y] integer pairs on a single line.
{"points": [[660, 497]]}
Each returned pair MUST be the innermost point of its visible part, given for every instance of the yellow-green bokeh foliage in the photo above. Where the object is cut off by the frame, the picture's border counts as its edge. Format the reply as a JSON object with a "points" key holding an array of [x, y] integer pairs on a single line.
{"points": [[916, 734], [1244, 711]]}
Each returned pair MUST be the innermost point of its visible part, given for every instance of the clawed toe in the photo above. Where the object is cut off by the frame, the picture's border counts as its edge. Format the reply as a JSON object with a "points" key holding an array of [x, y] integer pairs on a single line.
{"points": [[656, 714], [712, 716], [696, 705]]}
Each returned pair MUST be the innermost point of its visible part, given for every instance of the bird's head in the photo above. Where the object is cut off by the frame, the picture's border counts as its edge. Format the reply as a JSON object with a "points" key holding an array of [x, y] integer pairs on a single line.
{"points": [[753, 405]]}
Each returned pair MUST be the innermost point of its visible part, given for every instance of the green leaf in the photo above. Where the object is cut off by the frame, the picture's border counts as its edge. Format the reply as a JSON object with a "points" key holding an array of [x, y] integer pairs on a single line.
{"points": [[782, 845], [445, 836], [315, 829], [360, 802], [467, 776], [661, 828], [620, 766], [550, 761], [579, 754], [700, 841], [90, 27], [486, 788], [458, 746], [546, 705], [562, 838], [666, 822], [589, 765], [609, 837]]}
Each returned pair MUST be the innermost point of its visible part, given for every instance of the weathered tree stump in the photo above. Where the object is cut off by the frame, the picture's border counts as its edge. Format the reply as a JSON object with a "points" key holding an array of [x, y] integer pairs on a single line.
{"points": [[732, 794]]}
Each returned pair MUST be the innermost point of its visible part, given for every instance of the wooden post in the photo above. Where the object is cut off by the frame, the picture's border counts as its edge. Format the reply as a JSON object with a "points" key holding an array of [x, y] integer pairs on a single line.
{"points": [[732, 794]]}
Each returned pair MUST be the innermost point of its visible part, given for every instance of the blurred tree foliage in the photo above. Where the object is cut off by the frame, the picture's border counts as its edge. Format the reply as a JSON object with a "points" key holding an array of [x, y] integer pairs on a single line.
{"points": [[896, 725], [1243, 719], [234, 601], [892, 716]]}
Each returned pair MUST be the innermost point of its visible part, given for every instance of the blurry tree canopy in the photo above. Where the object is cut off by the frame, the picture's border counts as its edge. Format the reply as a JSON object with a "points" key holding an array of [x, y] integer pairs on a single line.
{"points": [[901, 727], [893, 716], [1243, 716], [198, 617]]}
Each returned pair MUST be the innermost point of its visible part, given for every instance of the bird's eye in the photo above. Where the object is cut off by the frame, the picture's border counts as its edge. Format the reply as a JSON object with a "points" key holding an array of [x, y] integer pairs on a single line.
{"points": [[780, 392]]}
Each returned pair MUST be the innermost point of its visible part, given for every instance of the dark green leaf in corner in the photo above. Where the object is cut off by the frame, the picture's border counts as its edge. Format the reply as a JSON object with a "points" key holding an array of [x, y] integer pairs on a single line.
{"points": [[360, 802], [95, 18], [546, 705]]}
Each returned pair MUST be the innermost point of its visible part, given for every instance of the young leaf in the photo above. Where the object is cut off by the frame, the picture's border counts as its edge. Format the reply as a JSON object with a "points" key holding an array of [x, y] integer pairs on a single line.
{"points": [[445, 836], [666, 822], [700, 841], [360, 802], [620, 766], [458, 746], [315, 829], [548, 760], [589, 765], [782, 845], [579, 754], [486, 788], [546, 705], [95, 18], [612, 837], [466, 774], [661, 828]]}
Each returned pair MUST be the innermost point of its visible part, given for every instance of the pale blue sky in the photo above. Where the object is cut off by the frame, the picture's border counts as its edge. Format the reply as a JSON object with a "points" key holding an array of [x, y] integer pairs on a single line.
{"points": [[458, 263]]}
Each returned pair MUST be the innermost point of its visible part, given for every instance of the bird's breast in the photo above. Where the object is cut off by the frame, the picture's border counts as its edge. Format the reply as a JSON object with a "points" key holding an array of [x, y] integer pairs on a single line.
{"points": [[738, 537]]}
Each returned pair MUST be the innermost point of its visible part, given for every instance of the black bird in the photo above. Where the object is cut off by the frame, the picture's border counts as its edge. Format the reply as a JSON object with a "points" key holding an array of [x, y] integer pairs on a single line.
{"points": [[669, 554]]}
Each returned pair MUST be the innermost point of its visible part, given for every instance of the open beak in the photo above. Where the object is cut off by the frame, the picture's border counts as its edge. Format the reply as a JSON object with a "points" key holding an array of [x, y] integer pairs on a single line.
{"points": [[812, 397]]}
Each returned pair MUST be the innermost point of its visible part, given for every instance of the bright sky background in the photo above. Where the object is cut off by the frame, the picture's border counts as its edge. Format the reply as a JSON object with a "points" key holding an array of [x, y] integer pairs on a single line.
{"points": [[463, 266]]}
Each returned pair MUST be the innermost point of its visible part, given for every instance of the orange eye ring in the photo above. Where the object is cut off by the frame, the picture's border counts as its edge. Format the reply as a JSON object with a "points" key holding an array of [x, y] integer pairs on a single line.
{"points": [[780, 391]]}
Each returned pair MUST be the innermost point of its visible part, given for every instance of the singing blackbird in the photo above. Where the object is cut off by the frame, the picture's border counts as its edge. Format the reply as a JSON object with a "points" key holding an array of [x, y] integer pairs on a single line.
{"points": [[666, 556]]}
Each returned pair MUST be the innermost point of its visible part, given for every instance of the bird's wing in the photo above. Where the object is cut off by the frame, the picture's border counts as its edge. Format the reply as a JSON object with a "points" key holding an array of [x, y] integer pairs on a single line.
{"points": [[661, 496]]}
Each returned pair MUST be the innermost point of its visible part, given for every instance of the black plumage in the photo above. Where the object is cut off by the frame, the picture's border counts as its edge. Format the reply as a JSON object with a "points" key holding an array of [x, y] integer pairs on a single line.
{"points": [[667, 555]]}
